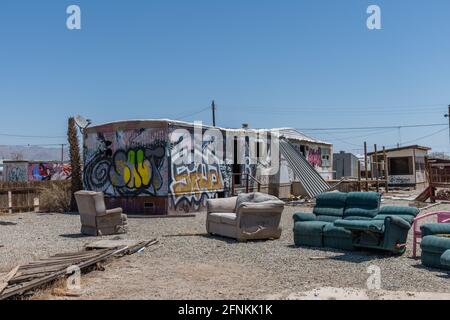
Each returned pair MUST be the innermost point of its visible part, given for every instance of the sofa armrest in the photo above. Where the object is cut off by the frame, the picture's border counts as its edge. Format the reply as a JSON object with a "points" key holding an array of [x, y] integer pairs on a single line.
{"points": [[435, 228], [301, 216], [397, 221], [221, 205], [114, 211]]}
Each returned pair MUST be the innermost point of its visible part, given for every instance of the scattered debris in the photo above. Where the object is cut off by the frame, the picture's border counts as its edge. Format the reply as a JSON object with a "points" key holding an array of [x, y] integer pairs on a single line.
{"points": [[319, 258], [26, 278], [64, 293], [185, 235], [7, 223], [4, 282]]}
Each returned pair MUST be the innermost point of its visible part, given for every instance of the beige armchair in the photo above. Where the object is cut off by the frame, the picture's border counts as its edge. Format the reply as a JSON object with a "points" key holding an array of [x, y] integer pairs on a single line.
{"points": [[253, 216], [95, 219]]}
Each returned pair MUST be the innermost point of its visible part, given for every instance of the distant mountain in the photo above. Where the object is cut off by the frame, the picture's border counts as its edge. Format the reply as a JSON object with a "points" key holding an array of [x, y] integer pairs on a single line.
{"points": [[33, 153]]}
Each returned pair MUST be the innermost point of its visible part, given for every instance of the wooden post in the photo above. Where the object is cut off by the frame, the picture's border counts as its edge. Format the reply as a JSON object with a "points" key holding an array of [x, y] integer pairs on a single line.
{"points": [[10, 204], [376, 167], [366, 166], [386, 174], [359, 176]]}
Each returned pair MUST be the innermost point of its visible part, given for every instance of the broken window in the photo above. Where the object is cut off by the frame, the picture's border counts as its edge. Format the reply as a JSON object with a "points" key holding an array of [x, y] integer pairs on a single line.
{"points": [[401, 166]]}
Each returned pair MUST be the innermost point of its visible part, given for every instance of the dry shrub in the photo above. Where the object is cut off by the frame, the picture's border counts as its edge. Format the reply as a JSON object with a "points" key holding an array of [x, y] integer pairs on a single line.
{"points": [[55, 197]]}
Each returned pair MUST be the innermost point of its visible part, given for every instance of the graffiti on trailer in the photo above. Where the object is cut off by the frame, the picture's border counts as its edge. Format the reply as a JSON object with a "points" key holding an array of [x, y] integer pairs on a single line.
{"points": [[129, 171], [48, 171], [194, 183], [315, 157]]}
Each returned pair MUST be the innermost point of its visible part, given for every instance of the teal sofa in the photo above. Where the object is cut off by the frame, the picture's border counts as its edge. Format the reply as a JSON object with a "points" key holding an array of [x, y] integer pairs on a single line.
{"points": [[354, 220], [436, 245]]}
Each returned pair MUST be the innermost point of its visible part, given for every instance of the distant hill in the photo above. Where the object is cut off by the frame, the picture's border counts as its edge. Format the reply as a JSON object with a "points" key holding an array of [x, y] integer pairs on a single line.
{"points": [[33, 153]]}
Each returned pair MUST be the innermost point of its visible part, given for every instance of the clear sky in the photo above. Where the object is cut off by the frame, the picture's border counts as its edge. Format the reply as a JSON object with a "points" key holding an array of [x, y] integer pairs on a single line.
{"points": [[292, 63]]}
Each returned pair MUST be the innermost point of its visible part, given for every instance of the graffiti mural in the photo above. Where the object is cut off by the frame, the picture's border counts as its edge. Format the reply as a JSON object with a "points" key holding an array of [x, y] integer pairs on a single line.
{"points": [[48, 171], [15, 172], [126, 163], [193, 183], [315, 157]]}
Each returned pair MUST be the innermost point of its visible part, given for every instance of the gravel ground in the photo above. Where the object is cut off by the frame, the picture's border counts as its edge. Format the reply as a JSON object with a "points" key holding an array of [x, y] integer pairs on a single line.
{"points": [[204, 267]]}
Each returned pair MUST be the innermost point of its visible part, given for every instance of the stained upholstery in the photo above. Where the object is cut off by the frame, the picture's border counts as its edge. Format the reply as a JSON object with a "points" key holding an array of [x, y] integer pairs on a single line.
{"points": [[96, 220], [245, 217], [354, 220]]}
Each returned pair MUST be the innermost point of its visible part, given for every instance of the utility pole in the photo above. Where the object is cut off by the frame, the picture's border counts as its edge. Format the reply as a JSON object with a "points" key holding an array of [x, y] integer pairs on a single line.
{"points": [[376, 167], [366, 166], [62, 153], [213, 109]]}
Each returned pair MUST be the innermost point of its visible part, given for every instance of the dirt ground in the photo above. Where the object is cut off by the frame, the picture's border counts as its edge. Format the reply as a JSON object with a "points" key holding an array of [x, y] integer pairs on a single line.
{"points": [[205, 267]]}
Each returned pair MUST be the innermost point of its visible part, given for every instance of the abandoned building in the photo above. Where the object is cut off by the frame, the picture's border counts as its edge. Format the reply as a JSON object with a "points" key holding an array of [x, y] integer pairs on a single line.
{"points": [[345, 165], [136, 164], [405, 165]]}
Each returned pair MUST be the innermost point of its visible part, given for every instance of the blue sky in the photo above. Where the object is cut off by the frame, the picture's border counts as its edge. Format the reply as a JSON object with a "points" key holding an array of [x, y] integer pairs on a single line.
{"points": [[291, 63]]}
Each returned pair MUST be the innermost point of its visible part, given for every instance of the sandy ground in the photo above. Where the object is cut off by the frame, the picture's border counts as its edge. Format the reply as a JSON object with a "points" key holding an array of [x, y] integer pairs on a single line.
{"points": [[204, 267]]}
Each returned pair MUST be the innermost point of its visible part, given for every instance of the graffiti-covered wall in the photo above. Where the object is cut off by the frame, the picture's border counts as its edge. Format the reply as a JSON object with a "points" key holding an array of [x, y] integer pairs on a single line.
{"points": [[23, 171], [46, 171], [126, 163], [15, 171], [194, 182]]}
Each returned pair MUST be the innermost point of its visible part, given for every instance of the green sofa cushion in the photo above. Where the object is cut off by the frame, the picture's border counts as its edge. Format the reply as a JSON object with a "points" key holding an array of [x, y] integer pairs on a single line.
{"points": [[332, 231], [327, 218], [445, 259], [330, 204], [399, 211], [309, 233], [362, 204], [407, 218], [361, 225], [309, 227], [300, 216], [435, 228], [435, 244]]}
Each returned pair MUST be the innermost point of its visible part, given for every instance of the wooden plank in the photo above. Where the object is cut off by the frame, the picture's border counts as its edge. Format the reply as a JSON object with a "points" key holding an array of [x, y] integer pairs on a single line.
{"points": [[111, 244], [43, 280], [5, 281]]}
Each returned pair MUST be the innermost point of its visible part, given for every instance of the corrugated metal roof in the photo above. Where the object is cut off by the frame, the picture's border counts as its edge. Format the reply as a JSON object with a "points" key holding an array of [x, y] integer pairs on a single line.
{"points": [[294, 134], [313, 183], [289, 133]]}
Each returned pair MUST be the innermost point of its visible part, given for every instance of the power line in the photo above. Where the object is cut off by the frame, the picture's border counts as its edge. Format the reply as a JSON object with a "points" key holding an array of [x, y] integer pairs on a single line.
{"points": [[193, 114], [424, 137], [340, 108], [381, 127], [31, 136]]}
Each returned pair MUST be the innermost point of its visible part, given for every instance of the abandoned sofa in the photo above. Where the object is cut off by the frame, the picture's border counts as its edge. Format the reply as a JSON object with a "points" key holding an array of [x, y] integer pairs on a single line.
{"points": [[436, 245], [354, 220], [249, 216], [96, 220]]}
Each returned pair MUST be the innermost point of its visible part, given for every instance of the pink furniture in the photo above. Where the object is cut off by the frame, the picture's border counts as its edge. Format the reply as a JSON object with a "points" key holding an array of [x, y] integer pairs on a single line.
{"points": [[442, 217]]}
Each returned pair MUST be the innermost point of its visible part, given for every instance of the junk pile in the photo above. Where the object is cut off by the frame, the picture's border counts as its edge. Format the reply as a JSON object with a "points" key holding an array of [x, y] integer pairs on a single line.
{"points": [[27, 278], [443, 194]]}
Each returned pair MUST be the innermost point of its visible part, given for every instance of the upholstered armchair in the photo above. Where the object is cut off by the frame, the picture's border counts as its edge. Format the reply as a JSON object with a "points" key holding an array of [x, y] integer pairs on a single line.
{"points": [[252, 216], [96, 220]]}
